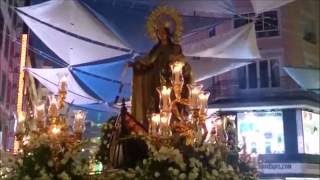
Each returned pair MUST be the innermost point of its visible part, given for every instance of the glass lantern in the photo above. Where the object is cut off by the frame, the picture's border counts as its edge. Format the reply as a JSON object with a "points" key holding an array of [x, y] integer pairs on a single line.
{"points": [[164, 128], [63, 82], [177, 79], [40, 115], [194, 91], [154, 124], [79, 121], [165, 99], [53, 106], [203, 101]]}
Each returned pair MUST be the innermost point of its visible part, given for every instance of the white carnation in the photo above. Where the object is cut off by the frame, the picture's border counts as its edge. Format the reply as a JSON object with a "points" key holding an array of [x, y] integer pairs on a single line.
{"points": [[182, 176], [156, 174]]}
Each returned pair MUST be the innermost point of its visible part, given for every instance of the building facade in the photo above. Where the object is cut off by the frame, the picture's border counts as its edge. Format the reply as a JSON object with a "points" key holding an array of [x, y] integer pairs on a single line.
{"points": [[276, 118], [11, 28]]}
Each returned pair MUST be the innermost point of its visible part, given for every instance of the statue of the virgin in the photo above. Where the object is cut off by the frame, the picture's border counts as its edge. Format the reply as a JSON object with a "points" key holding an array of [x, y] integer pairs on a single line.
{"points": [[153, 70]]}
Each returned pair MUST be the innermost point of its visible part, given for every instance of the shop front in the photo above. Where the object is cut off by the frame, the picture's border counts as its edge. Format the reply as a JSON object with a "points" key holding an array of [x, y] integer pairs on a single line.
{"points": [[283, 142]]}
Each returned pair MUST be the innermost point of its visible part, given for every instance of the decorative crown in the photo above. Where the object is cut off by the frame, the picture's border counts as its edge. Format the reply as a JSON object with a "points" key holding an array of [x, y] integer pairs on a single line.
{"points": [[165, 17]]}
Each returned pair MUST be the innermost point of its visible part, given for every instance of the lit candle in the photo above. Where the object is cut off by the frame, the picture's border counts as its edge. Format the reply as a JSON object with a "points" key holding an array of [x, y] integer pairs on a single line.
{"points": [[165, 100], [165, 118], [22, 117], [40, 115], [79, 119], [164, 123], [53, 108], [194, 91], [203, 98], [63, 83], [176, 69], [155, 120], [55, 130]]}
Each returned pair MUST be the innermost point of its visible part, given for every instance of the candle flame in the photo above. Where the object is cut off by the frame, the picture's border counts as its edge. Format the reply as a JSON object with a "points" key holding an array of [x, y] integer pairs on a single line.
{"points": [[165, 90], [56, 130], [155, 118], [63, 79], [53, 100], [204, 95], [22, 116], [177, 66], [79, 115]]}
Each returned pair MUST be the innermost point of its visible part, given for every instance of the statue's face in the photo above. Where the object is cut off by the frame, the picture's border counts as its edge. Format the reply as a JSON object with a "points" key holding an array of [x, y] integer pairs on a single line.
{"points": [[162, 35]]}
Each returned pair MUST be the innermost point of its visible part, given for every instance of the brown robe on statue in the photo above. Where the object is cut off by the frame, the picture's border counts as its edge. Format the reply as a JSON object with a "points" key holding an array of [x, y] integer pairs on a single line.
{"points": [[149, 73]]}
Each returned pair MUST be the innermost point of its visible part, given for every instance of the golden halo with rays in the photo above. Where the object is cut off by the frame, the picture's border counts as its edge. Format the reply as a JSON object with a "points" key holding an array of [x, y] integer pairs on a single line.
{"points": [[167, 17]]}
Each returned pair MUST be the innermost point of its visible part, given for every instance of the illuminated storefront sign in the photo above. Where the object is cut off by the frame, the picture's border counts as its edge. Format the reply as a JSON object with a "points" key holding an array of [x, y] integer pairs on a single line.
{"points": [[311, 135], [262, 132], [289, 168]]}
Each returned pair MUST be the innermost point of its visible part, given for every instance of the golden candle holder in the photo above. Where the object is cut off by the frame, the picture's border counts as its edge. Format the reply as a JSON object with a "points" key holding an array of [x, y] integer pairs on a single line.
{"points": [[172, 117]]}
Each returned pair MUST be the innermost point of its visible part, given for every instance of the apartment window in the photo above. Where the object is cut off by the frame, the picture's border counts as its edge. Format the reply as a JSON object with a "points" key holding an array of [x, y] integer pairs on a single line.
{"points": [[262, 74], [3, 87], [266, 24], [242, 19], [212, 32], [242, 75], [264, 79], [252, 75]]}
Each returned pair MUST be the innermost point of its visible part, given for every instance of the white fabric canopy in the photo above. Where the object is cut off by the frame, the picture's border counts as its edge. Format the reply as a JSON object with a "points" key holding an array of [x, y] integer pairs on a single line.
{"points": [[205, 68], [88, 40], [260, 6], [239, 43], [307, 78], [50, 79], [202, 7]]}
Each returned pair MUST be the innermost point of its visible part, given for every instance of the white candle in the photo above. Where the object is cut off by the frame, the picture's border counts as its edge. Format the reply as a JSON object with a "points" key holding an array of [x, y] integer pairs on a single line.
{"points": [[55, 130], [194, 91], [165, 97], [155, 118], [176, 69], [155, 121], [63, 83], [203, 98], [79, 119], [53, 108], [39, 112], [164, 123]]}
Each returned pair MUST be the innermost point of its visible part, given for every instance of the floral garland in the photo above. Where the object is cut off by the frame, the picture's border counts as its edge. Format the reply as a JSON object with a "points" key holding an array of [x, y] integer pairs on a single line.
{"points": [[172, 160]]}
